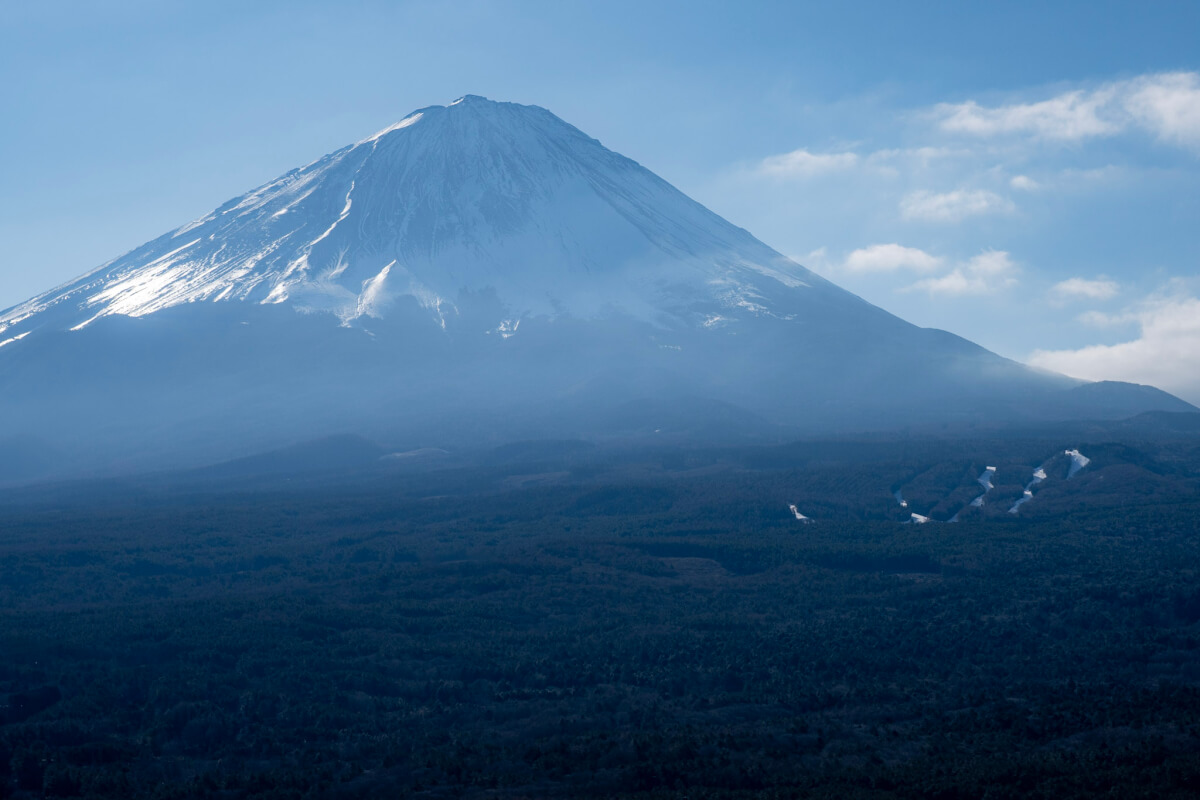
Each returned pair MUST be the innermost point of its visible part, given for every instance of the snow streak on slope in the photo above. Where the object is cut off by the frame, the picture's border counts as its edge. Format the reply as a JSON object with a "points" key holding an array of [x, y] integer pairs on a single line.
{"points": [[984, 480], [11, 339], [477, 196], [796, 513], [1078, 462], [1039, 475]]}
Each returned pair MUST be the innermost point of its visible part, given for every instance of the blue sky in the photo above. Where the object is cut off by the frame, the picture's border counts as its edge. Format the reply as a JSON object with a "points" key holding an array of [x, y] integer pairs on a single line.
{"points": [[1025, 175]]}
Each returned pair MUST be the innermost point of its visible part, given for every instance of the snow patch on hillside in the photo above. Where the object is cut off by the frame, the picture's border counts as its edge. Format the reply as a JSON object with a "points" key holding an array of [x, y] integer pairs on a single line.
{"points": [[1039, 475], [16, 338], [1078, 462], [372, 297], [984, 480], [411, 119]]}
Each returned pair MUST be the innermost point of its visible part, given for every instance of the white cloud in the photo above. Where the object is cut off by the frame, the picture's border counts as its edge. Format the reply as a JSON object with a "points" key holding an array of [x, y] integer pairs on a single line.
{"points": [[1024, 183], [889, 258], [1074, 115], [952, 206], [1083, 288], [1166, 354], [986, 273], [1166, 104], [803, 164]]}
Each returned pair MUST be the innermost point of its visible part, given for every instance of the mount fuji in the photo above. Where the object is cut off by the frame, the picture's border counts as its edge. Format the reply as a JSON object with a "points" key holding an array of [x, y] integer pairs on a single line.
{"points": [[481, 271]]}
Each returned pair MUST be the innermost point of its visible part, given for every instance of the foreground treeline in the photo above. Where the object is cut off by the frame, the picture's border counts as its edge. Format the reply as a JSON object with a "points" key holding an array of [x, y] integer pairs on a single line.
{"points": [[668, 633]]}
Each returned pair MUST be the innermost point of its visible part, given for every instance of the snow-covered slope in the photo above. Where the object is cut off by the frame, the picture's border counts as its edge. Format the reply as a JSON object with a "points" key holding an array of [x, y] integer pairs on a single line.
{"points": [[477, 196], [481, 270]]}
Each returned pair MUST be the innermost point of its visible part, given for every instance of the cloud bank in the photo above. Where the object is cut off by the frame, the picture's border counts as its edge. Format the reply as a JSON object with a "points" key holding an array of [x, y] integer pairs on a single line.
{"points": [[1166, 354], [1166, 105]]}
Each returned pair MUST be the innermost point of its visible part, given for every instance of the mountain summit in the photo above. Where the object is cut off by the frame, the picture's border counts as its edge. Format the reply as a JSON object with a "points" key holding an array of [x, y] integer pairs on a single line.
{"points": [[476, 269], [472, 196]]}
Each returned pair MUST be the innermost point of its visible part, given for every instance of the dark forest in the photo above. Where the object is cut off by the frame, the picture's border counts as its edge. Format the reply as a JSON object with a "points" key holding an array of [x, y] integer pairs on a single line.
{"points": [[557, 619]]}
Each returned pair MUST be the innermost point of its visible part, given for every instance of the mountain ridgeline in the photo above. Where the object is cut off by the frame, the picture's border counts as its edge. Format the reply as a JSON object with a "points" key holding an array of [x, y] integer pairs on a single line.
{"points": [[482, 272]]}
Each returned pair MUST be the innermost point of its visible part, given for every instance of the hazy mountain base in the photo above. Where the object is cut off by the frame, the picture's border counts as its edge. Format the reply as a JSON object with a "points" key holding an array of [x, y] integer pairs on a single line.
{"points": [[557, 619], [194, 385]]}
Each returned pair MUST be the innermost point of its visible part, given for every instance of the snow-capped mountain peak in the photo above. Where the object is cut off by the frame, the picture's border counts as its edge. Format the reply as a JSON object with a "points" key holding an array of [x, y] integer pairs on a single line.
{"points": [[475, 196]]}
